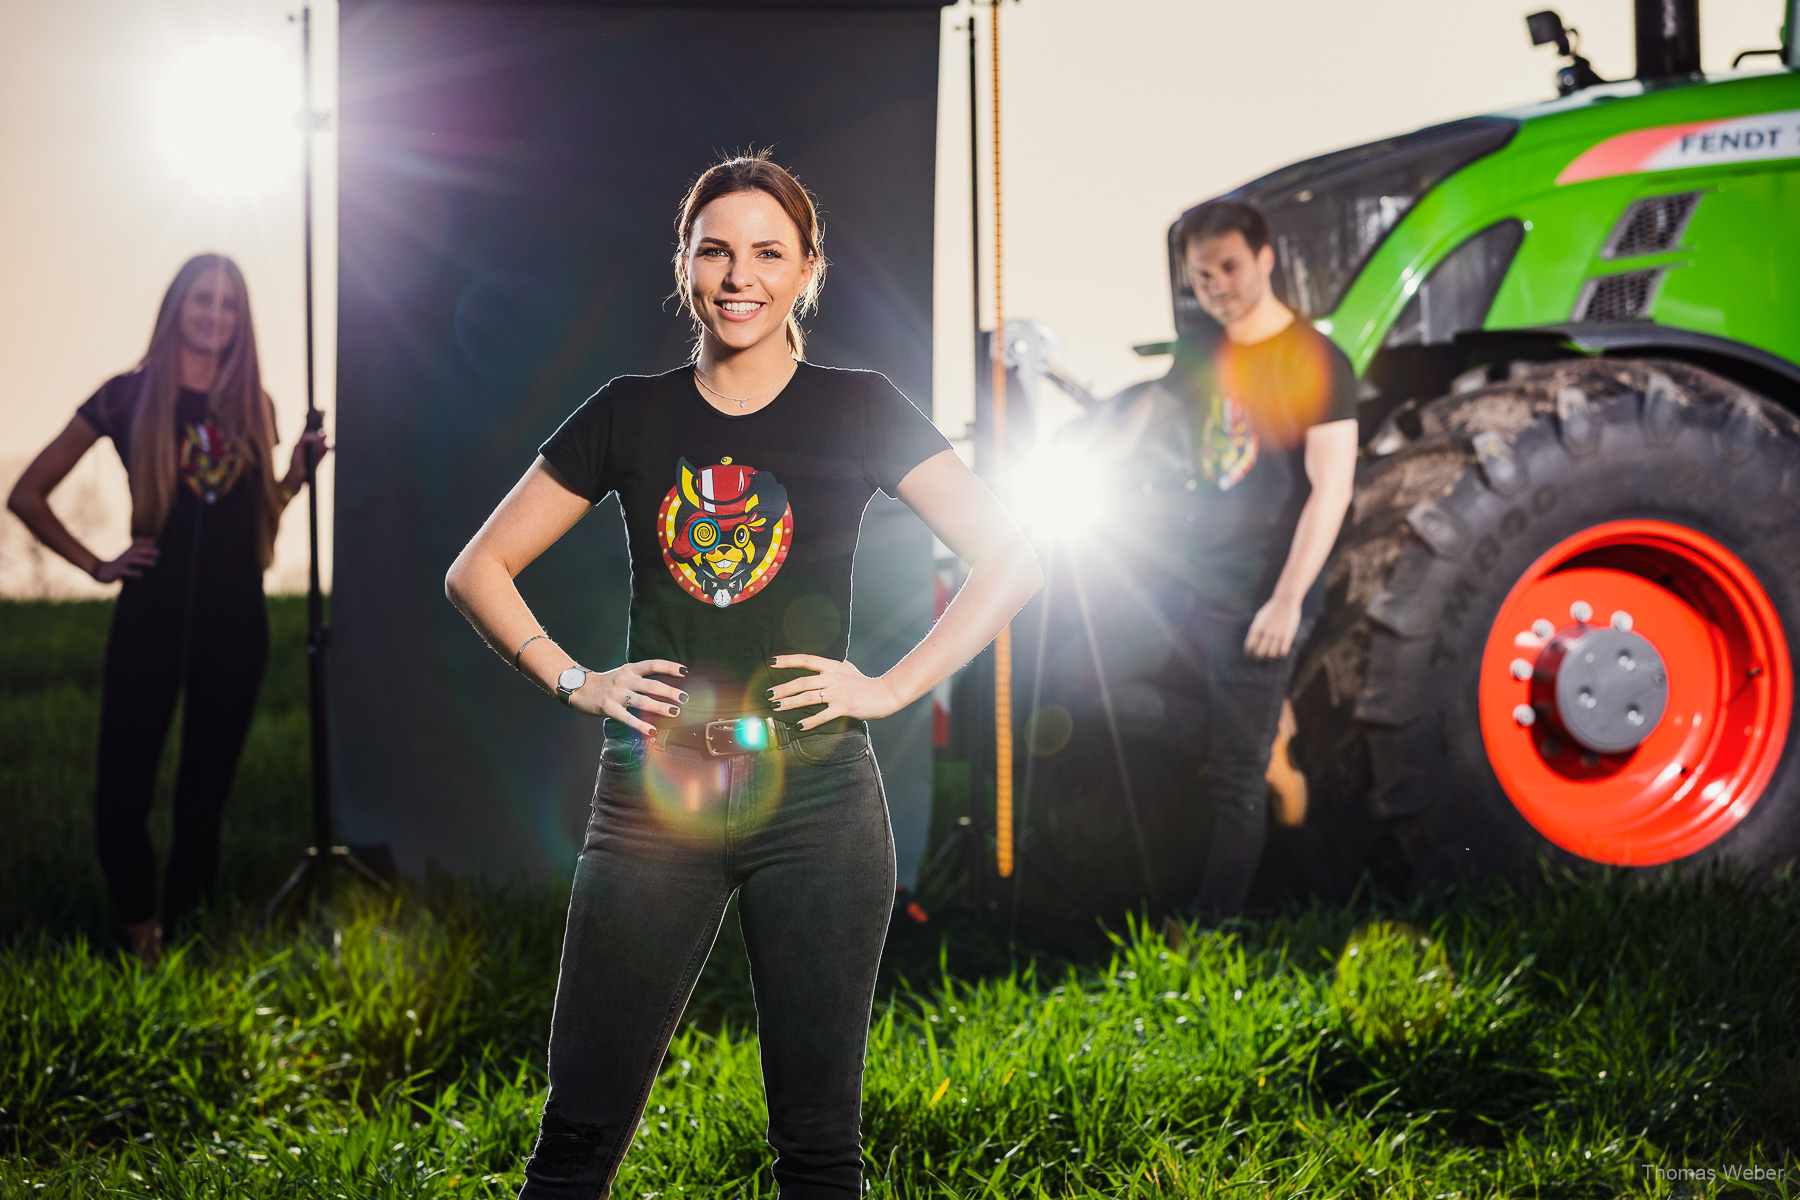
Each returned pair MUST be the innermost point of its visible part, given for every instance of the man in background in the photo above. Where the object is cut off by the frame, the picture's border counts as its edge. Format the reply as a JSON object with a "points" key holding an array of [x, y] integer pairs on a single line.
{"points": [[1271, 421]]}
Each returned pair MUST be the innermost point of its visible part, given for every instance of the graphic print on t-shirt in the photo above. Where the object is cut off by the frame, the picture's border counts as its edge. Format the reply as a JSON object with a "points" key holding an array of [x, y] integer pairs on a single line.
{"points": [[207, 460], [1228, 444], [725, 530]]}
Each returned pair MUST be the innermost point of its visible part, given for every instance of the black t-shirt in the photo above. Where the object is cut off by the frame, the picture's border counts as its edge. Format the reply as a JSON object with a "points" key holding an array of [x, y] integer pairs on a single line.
{"points": [[214, 508], [1248, 410], [741, 528]]}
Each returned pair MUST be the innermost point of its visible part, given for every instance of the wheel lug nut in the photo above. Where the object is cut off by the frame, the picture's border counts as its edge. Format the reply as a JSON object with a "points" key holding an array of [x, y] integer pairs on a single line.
{"points": [[1543, 629], [1621, 620], [1521, 670], [1634, 716], [1525, 715], [1582, 611]]}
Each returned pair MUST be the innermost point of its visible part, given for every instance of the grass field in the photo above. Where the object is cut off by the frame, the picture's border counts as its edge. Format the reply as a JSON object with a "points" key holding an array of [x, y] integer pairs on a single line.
{"points": [[1580, 1038]]}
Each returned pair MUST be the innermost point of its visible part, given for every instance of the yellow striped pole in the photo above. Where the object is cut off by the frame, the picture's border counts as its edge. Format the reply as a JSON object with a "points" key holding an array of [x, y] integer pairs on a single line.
{"points": [[1003, 714]]}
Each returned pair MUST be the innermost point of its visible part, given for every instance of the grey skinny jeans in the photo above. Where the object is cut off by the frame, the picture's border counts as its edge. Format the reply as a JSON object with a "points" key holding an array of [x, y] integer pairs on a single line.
{"points": [[801, 834]]}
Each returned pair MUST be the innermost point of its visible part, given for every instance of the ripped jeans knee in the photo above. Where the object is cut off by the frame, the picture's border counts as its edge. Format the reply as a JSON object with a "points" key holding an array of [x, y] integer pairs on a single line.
{"points": [[569, 1159]]}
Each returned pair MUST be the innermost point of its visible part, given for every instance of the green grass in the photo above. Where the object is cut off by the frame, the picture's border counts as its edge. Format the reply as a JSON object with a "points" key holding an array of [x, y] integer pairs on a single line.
{"points": [[50, 655], [1562, 1040]]}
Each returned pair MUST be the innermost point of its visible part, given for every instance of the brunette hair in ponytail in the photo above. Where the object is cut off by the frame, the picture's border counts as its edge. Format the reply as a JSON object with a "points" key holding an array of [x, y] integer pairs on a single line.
{"points": [[754, 172]]}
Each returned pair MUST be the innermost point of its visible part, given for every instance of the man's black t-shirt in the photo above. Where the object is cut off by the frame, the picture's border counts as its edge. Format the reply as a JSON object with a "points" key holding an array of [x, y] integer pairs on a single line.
{"points": [[210, 534], [741, 529], [1249, 408]]}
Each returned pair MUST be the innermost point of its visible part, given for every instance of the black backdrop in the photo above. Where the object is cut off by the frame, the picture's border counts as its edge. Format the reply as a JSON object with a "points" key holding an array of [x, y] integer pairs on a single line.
{"points": [[509, 180]]}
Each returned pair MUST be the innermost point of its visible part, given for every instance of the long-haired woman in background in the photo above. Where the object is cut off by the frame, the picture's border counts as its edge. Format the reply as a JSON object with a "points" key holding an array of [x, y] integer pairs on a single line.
{"points": [[196, 433]]}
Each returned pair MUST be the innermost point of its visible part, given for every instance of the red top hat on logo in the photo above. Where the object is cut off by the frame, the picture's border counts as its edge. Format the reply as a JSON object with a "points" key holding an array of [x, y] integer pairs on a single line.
{"points": [[723, 488], [723, 491]]}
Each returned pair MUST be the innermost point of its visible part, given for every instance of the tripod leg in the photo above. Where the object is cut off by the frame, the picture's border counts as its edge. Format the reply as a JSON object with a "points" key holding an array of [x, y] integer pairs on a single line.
{"points": [[299, 883], [360, 869]]}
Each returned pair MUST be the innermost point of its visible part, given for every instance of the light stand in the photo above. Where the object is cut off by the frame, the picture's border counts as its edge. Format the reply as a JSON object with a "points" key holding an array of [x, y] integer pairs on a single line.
{"points": [[969, 840], [312, 878]]}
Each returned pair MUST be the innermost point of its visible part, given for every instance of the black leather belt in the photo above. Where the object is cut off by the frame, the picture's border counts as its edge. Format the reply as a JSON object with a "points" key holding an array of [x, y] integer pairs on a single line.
{"points": [[733, 735]]}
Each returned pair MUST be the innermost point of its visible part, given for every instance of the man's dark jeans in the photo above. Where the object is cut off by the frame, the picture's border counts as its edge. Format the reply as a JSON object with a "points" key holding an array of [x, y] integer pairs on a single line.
{"points": [[1243, 713], [1177, 675], [801, 835]]}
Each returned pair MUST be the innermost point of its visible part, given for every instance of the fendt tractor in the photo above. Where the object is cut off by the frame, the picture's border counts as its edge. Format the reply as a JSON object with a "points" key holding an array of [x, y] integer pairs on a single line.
{"points": [[1560, 609]]}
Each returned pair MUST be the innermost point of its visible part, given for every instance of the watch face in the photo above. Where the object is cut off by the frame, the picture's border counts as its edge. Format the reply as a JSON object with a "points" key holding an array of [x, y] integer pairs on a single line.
{"points": [[571, 679]]}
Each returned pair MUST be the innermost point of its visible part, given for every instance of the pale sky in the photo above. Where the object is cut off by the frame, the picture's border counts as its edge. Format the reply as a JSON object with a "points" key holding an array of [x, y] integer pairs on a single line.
{"points": [[1116, 115]]}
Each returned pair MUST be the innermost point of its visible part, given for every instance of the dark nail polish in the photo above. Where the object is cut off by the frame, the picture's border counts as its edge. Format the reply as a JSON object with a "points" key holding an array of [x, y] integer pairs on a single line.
{"points": [[770, 694], [771, 662], [776, 704], [681, 696], [684, 670], [673, 711]]}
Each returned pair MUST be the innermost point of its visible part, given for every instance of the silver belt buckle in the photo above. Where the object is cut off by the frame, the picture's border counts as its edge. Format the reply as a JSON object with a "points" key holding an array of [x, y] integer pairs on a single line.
{"points": [[732, 734]]}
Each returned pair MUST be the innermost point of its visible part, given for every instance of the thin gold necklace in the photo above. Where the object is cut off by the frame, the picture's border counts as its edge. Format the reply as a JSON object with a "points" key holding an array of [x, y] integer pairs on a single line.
{"points": [[747, 399]]}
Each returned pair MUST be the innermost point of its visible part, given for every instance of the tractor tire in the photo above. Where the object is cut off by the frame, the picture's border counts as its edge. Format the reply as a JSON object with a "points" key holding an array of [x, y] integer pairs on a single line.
{"points": [[1430, 727]]}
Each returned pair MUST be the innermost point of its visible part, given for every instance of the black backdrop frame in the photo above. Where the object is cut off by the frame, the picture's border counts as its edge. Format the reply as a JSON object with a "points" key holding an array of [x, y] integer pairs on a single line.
{"points": [[508, 180]]}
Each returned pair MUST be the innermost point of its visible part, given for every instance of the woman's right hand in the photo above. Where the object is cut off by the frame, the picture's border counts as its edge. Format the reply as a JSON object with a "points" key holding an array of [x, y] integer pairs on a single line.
{"points": [[613, 693], [139, 557]]}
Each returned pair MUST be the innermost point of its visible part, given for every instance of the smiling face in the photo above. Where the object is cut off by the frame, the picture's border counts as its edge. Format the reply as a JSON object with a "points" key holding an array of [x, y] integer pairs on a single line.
{"points": [[1229, 279], [209, 314], [746, 269]]}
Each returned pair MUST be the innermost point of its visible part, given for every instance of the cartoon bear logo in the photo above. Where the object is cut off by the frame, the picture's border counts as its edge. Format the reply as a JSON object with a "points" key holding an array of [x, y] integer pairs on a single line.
{"points": [[724, 530]]}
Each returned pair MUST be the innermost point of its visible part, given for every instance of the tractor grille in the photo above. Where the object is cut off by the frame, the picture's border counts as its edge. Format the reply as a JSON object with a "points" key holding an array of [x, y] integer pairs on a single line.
{"points": [[1624, 297], [1651, 226]]}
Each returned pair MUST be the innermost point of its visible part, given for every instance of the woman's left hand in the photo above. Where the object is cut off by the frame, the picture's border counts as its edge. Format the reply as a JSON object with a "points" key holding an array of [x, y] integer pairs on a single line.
{"points": [[839, 686], [296, 476]]}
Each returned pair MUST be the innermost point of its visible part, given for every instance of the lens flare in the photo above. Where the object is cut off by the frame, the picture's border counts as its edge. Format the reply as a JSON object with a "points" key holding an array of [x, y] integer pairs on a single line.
{"points": [[690, 794], [1287, 385], [1394, 982], [1057, 491], [812, 624], [1048, 730], [227, 117]]}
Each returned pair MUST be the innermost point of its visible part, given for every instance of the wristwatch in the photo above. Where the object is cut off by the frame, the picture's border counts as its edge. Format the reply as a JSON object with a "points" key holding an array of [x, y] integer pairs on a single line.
{"points": [[570, 681]]}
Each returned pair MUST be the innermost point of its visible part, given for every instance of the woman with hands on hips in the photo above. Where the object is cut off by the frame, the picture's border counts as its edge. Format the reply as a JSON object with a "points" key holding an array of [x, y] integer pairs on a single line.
{"points": [[736, 760], [196, 433]]}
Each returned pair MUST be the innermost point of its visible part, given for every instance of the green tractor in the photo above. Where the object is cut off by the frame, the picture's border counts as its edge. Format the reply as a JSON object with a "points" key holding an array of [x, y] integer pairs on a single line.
{"points": [[1559, 612], [1562, 603]]}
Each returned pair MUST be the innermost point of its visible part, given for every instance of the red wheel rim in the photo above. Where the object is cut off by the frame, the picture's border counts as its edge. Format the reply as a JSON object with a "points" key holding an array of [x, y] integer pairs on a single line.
{"points": [[1730, 693]]}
